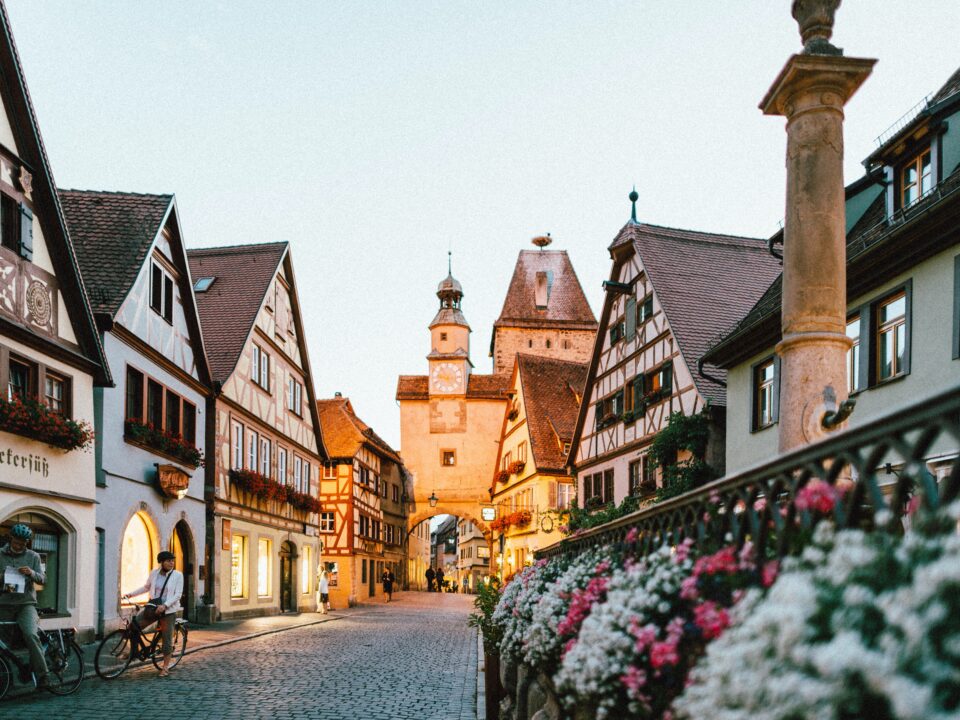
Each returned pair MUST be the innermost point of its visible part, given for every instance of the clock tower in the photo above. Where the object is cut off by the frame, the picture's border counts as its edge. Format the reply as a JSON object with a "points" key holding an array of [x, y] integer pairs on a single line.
{"points": [[449, 356]]}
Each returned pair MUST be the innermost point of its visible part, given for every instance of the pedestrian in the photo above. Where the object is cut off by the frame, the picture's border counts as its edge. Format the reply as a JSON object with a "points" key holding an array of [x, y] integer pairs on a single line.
{"points": [[439, 578], [165, 586], [430, 576], [323, 591], [21, 570], [388, 580]]}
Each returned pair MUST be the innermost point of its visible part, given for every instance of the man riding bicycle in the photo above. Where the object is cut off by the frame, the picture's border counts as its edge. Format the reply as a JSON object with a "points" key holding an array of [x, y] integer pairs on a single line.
{"points": [[165, 586], [21, 570]]}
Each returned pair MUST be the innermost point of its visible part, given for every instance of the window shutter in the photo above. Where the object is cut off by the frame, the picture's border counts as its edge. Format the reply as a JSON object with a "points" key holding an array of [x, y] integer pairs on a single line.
{"points": [[265, 370], [631, 313], [587, 487], [255, 364], [156, 288], [908, 301], [26, 232], [553, 495], [607, 486], [167, 298]]}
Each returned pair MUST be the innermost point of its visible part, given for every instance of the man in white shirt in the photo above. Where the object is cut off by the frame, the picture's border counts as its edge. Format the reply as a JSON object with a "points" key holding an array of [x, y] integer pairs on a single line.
{"points": [[165, 586]]}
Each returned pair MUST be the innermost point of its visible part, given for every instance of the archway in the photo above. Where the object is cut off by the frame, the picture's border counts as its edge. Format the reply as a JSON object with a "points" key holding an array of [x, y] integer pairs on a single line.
{"points": [[288, 553], [51, 542], [181, 545], [459, 546], [138, 551]]}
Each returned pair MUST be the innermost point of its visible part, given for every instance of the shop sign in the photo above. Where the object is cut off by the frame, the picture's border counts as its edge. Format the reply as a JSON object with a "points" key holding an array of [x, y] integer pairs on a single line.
{"points": [[173, 481], [26, 464], [488, 513], [225, 543]]}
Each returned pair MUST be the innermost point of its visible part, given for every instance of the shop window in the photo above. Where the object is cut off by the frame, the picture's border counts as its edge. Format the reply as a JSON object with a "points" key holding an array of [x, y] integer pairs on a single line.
{"points": [[51, 542], [238, 566], [305, 570], [264, 566], [765, 393], [137, 552]]}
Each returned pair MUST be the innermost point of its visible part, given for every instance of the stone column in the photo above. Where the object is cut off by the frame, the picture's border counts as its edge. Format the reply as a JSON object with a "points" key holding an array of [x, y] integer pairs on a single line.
{"points": [[810, 92]]}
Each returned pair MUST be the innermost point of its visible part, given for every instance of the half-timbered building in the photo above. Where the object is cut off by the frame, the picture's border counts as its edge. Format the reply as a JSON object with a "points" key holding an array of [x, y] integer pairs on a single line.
{"points": [[531, 487], [263, 434], [150, 439], [50, 361], [363, 492], [669, 294]]}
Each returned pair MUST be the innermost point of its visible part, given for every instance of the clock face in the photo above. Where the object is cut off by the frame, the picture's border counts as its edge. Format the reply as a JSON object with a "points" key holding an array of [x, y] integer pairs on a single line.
{"points": [[447, 378]]}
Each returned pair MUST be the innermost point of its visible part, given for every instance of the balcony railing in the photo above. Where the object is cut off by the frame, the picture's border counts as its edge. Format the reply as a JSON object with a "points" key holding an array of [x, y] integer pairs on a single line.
{"points": [[760, 503]]}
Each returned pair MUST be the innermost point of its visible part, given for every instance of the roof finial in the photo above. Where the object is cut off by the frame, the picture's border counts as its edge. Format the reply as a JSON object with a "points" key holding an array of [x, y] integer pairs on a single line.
{"points": [[633, 200], [449, 261], [541, 241]]}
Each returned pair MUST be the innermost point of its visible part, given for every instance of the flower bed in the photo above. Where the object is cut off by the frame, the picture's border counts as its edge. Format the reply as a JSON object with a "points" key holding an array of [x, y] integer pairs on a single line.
{"points": [[267, 488], [36, 421], [169, 443]]}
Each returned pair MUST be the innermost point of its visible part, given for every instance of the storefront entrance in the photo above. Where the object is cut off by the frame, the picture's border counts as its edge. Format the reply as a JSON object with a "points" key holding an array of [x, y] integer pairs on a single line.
{"points": [[181, 545], [287, 554]]}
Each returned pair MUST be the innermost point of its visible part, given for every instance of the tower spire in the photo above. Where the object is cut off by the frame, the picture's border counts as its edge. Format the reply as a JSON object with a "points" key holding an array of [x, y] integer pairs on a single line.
{"points": [[633, 202]]}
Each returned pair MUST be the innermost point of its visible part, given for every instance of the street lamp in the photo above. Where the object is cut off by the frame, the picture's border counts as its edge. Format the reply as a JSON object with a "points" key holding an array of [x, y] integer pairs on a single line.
{"points": [[432, 500]]}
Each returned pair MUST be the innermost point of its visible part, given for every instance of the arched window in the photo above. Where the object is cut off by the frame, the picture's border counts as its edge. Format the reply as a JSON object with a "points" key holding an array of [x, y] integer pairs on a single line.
{"points": [[136, 553], [50, 542]]}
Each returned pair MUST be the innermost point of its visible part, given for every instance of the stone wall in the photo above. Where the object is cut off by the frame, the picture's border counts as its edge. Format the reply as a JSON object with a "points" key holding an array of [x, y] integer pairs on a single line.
{"points": [[530, 695]]}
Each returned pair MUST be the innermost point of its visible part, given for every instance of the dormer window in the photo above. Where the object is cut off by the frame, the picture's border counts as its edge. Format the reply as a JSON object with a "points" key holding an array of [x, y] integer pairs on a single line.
{"points": [[916, 178]]}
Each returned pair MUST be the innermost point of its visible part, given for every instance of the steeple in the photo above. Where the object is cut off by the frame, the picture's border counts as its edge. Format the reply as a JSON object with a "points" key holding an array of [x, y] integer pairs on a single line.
{"points": [[450, 292]]}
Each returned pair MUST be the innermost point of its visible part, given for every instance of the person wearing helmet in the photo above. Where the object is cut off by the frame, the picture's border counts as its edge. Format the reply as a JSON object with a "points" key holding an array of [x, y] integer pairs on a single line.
{"points": [[165, 586], [21, 570]]}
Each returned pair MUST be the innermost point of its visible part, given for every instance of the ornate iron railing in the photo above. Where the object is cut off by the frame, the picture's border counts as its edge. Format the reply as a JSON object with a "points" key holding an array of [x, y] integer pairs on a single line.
{"points": [[759, 504]]}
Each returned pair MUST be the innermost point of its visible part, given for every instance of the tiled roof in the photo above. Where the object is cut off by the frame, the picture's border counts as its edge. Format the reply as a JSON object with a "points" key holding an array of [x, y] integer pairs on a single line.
{"points": [[550, 388], [417, 387], [566, 305], [111, 234], [344, 433], [229, 308], [950, 87], [704, 282]]}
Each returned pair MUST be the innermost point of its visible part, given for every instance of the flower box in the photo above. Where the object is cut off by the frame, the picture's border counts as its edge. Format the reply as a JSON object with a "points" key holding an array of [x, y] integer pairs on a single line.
{"points": [[516, 467], [169, 443], [265, 488], [36, 421], [502, 476]]}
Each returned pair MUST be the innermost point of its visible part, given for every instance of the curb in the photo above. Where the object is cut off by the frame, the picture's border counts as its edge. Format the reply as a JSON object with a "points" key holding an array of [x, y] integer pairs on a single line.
{"points": [[481, 680]]}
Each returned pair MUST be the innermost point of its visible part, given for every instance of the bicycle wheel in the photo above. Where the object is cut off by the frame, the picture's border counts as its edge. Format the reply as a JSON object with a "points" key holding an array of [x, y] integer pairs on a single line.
{"points": [[179, 647], [65, 669], [113, 655], [6, 676]]}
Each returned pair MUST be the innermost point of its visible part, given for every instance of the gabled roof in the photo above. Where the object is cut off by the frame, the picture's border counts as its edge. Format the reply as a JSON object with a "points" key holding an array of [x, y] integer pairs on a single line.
{"points": [[229, 308], [704, 282], [550, 389], [950, 87], [344, 433], [112, 233], [566, 304], [491, 387], [26, 130]]}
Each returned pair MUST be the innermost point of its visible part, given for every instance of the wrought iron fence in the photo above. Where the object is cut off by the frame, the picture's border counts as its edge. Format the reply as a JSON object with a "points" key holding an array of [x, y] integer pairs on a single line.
{"points": [[875, 471]]}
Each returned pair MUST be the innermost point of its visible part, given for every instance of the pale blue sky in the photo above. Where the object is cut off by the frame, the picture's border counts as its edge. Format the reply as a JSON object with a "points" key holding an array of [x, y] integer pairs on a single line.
{"points": [[372, 136]]}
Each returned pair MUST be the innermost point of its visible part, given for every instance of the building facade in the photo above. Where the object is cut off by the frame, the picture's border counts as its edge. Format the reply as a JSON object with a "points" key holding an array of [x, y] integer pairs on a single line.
{"points": [[264, 442], [418, 556], [531, 488], [364, 493], [443, 550], [903, 285], [473, 556], [50, 361], [655, 326], [150, 440]]}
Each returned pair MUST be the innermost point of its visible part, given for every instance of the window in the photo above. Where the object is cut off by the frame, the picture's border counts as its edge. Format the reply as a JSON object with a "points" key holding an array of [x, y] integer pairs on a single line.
{"points": [[443, 336], [329, 471], [635, 475], [9, 223], [282, 465], [297, 471], [396, 492], [155, 404], [765, 393], [363, 570], [522, 452], [136, 553], [916, 179], [238, 565], [608, 485], [326, 522], [305, 570], [306, 477], [642, 477], [565, 495], [19, 383], [853, 355], [135, 380], [891, 336], [448, 458], [659, 382], [617, 331], [265, 457], [566, 448], [506, 461], [161, 293], [237, 455], [173, 412], [260, 367], [203, 284], [609, 410], [294, 396], [253, 445], [644, 310], [264, 562], [53, 392], [364, 526]]}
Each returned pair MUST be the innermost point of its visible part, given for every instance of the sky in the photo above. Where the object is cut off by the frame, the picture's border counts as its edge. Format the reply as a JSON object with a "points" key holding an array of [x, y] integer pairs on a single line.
{"points": [[376, 136]]}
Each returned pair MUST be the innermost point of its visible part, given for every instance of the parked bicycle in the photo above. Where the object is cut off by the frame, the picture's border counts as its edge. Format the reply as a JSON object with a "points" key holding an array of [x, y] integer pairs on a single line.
{"points": [[63, 656], [116, 650]]}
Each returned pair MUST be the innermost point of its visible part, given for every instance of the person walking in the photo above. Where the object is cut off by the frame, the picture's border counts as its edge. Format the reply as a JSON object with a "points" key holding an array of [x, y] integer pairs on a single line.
{"points": [[165, 586], [21, 571], [388, 579], [323, 591], [440, 578], [430, 576]]}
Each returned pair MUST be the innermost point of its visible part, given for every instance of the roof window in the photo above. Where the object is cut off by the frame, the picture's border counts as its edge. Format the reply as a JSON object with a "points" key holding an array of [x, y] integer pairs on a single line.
{"points": [[203, 284]]}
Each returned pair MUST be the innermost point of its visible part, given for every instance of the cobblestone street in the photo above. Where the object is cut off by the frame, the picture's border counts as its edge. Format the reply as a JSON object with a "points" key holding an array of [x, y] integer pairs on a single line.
{"points": [[413, 659]]}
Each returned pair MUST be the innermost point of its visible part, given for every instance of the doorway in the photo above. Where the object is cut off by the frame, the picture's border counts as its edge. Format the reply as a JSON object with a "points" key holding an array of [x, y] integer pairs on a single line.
{"points": [[181, 545], [371, 577], [287, 554]]}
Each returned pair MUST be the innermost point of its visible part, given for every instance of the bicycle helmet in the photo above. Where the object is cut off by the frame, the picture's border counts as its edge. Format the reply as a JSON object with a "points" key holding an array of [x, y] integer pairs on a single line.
{"points": [[165, 555], [21, 531]]}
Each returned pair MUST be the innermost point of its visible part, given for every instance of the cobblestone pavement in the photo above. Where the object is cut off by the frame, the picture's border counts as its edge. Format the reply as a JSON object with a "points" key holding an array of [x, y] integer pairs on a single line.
{"points": [[413, 659]]}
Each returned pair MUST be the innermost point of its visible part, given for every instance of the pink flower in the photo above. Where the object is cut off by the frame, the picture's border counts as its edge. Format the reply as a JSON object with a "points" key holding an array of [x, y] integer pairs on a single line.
{"points": [[644, 634], [633, 679], [688, 588], [769, 573], [683, 550], [711, 619], [632, 535], [914, 504], [664, 653], [817, 496], [722, 561], [568, 646]]}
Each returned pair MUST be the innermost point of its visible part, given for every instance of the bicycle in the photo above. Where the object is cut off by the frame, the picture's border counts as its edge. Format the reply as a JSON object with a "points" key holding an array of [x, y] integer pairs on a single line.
{"points": [[63, 656], [116, 650]]}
